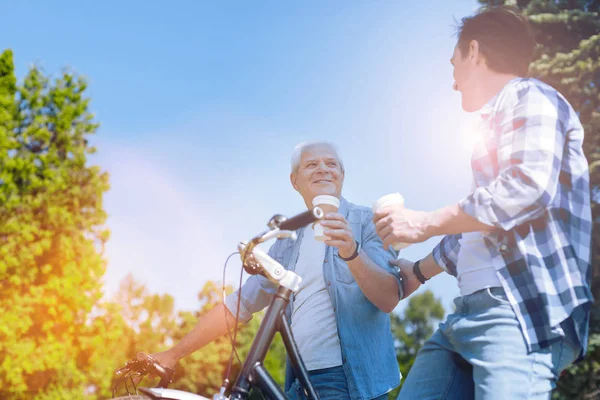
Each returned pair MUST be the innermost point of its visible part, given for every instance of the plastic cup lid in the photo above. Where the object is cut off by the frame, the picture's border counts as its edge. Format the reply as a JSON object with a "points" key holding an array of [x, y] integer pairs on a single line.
{"points": [[326, 199], [392, 198]]}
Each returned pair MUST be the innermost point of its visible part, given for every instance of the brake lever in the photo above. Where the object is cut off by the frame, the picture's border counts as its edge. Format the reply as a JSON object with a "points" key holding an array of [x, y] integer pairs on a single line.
{"points": [[276, 233], [141, 356], [166, 373], [252, 265], [123, 369], [247, 249]]}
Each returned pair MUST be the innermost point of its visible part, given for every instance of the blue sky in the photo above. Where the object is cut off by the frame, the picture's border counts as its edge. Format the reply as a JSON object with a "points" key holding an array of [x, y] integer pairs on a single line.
{"points": [[201, 104]]}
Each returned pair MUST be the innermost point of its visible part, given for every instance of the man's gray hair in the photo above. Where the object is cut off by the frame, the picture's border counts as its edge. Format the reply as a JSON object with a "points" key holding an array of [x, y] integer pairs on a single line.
{"points": [[307, 146]]}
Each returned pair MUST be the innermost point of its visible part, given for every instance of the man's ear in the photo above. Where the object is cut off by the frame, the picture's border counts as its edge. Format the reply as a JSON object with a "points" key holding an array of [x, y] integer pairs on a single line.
{"points": [[475, 52], [294, 180]]}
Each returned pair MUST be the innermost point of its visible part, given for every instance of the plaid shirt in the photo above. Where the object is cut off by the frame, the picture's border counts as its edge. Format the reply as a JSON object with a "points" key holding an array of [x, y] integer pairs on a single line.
{"points": [[532, 185]]}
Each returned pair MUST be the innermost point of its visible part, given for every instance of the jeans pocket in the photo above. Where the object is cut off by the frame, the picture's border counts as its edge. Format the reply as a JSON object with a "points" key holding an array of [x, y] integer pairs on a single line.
{"points": [[498, 295]]}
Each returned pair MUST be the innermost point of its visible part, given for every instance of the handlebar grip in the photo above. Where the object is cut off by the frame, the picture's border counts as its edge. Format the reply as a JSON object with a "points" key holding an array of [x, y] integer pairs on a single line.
{"points": [[301, 220], [165, 373]]}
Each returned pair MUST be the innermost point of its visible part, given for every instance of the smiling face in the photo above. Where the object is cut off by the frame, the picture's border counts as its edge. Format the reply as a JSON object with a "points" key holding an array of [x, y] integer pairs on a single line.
{"points": [[319, 172]]}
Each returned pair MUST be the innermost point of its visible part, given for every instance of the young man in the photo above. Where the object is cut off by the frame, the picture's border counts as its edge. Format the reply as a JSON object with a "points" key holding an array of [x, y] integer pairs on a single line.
{"points": [[339, 317], [519, 244]]}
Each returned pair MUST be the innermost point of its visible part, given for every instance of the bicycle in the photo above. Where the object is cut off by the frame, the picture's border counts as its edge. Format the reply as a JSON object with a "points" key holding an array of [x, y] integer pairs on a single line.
{"points": [[253, 374]]}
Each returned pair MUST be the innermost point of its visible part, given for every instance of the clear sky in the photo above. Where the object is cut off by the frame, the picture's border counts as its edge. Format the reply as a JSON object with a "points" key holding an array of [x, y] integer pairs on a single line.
{"points": [[201, 104]]}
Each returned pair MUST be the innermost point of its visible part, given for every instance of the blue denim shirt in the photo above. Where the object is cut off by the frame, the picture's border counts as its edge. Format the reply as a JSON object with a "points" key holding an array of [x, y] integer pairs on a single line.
{"points": [[368, 353]]}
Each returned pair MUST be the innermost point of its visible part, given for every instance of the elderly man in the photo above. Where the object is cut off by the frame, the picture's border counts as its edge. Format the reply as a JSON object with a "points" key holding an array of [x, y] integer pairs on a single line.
{"points": [[339, 317]]}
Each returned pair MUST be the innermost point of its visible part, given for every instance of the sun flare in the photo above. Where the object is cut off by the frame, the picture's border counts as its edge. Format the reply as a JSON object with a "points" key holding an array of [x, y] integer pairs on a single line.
{"points": [[470, 131]]}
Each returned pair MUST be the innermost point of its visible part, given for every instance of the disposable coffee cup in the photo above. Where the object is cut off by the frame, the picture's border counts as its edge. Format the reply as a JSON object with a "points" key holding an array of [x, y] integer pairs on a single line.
{"points": [[328, 204], [388, 200]]}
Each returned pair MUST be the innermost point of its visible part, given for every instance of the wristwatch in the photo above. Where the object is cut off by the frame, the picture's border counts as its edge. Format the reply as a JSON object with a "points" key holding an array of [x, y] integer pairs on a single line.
{"points": [[354, 255]]}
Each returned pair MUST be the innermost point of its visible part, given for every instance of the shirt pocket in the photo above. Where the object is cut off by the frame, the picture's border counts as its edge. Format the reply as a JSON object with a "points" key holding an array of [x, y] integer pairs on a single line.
{"points": [[341, 271]]}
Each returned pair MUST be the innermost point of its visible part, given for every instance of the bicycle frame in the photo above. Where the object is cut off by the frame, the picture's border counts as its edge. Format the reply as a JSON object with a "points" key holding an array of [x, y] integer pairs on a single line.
{"points": [[253, 373]]}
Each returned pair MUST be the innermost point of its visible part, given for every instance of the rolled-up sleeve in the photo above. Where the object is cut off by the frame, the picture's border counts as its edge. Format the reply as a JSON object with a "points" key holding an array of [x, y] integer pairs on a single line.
{"points": [[373, 246], [252, 297], [445, 253], [530, 141]]}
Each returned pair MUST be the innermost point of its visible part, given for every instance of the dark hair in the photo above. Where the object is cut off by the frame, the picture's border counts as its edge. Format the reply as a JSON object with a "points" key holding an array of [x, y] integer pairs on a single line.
{"points": [[505, 38]]}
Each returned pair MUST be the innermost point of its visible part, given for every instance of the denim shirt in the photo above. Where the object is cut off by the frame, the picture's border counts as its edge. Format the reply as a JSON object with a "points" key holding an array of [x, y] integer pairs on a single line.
{"points": [[367, 346]]}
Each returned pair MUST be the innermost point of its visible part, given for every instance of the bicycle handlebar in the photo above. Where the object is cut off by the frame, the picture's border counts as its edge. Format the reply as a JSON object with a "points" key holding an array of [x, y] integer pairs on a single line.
{"points": [[301, 220], [144, 364], [279, 228], [165, 373]]}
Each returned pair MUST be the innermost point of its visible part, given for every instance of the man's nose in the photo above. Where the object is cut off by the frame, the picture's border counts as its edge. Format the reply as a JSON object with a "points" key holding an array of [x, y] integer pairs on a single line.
{"points": [[322, 166], [455, 86]]}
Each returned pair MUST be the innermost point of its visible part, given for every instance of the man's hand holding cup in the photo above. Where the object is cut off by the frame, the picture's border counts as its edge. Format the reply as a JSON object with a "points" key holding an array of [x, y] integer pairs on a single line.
{"points": [[396, 225], [333, 229]]}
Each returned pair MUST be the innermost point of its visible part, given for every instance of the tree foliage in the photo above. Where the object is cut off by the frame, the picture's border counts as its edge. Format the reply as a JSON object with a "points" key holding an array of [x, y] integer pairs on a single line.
{"points": [[51, 233], [59, 338], [152, 324]]}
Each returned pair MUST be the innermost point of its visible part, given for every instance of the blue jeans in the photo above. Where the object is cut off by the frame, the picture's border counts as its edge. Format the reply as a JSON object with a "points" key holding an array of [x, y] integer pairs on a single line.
{"points": [[479, 353], [330, 384]]}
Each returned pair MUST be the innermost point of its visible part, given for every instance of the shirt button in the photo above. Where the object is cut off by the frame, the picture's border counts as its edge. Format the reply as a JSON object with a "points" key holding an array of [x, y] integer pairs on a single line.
{"points": [[325, 260], [343, 359], [503, 248], [328, 283]]}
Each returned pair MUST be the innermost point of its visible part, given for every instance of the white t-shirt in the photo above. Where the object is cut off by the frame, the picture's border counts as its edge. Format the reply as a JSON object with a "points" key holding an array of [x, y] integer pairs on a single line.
{"points": [[474, 267], [474, 270], [313, 319]]}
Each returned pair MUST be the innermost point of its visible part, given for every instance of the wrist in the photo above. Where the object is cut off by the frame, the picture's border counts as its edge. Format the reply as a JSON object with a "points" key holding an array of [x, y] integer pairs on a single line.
{"points": [[352, 253], [444, 220], [418, 273], [429, 268], [175, 354], [435, 222], [346, 252]]}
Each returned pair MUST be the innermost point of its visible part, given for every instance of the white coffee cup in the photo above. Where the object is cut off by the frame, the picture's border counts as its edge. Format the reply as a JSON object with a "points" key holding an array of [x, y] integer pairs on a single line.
{"points": [[328, 204], [387, 200]]}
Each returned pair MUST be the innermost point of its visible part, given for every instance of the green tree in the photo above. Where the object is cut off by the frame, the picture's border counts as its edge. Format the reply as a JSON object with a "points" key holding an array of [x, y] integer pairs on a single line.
{"points": [[51, 234], [137, 320], [568, 58], [413, 328], [203, 371], [105, 349]]}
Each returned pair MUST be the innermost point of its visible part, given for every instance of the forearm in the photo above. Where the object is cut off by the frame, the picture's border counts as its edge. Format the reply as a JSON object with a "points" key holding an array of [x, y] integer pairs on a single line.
{"points": [[429, 268], [209, 327], [378, 285], [452, 220]]}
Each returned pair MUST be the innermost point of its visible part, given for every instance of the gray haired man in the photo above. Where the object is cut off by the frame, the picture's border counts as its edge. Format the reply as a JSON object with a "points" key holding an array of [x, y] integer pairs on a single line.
{"points": [[340, 315]]}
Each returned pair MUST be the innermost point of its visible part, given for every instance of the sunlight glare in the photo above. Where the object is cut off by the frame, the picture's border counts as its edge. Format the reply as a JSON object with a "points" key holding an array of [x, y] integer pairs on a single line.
{"points": [[469, 132]]}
